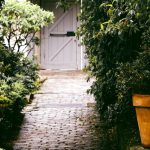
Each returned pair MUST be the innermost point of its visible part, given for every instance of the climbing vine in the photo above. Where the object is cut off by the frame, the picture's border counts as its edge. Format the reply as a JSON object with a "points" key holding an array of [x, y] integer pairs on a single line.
{"points": [[116, 33]]}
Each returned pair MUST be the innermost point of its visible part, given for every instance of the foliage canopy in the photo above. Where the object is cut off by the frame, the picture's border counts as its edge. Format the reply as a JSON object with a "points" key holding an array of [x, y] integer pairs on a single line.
{"points": [[116, 34], [19, 21]]}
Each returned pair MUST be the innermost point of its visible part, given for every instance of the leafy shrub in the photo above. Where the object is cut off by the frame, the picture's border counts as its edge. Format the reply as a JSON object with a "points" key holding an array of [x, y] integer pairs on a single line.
{"points": [[116, 33], [18, 78], [134, 76], [20, 21]]}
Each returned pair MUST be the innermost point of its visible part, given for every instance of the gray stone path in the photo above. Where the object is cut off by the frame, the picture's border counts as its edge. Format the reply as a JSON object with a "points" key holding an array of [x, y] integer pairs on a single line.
{"points": [[61, 117]]}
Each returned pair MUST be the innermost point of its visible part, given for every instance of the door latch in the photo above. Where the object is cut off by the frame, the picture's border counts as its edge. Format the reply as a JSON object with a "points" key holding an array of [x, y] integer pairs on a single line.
{"points": [[70, 33]]}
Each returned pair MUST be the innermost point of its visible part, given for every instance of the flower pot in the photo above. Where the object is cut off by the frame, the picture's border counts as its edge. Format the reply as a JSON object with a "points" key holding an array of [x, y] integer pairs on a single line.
{"points": [[142, 105]]}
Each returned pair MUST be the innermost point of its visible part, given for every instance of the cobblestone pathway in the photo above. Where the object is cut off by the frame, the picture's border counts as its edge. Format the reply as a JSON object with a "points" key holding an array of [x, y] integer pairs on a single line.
{"points": [[61, 117]]}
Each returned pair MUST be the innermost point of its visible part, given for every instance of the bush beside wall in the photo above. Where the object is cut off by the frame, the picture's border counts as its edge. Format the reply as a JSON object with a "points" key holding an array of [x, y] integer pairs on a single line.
{"points": [[18, 78], [19, 22], [116, 35]]}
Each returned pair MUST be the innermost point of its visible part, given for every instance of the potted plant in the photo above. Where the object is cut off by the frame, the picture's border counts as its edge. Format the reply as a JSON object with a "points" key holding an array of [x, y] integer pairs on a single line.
{"points": [[133, 81], [141, 96]]}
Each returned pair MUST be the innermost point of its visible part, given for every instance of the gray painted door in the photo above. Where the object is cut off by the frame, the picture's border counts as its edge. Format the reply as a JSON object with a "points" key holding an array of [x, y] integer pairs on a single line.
{"points": [[58, 50]]}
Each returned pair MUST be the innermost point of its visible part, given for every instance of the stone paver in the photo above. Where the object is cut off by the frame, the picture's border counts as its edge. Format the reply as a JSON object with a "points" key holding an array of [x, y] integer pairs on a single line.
{"points": [[61, 117]]}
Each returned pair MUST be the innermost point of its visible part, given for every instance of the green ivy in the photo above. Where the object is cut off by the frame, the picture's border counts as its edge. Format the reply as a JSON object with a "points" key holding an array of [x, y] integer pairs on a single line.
{"points": [[116, 35]]}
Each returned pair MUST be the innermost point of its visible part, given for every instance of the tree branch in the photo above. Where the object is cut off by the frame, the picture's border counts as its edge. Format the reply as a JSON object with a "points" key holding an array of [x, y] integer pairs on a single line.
{"points": [[29, 41], [29, 50]]}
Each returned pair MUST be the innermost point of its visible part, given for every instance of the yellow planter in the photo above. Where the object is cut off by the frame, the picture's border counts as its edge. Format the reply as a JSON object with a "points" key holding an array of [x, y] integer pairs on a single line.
{"points": [[142, 105]]}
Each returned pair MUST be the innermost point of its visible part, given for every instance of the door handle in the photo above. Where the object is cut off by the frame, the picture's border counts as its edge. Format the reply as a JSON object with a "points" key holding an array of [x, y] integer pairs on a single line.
{"points": [[70, 33]]}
